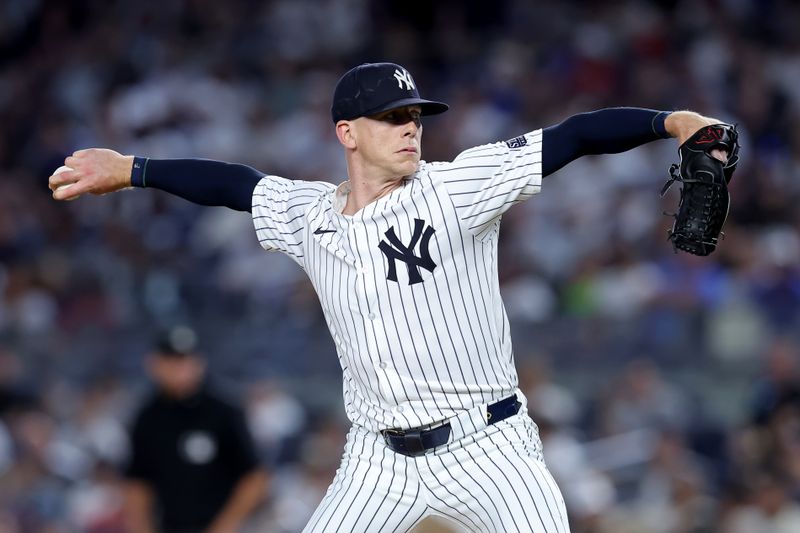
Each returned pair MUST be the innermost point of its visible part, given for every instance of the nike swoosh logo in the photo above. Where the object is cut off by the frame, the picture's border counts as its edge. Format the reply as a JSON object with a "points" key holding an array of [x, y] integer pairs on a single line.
{"points": [[320, 231]]}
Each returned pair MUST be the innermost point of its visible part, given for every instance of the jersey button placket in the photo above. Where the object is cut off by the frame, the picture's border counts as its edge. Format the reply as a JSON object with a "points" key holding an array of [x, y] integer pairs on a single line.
{"points": [[361, 282], [360, 269], [384, 373]]}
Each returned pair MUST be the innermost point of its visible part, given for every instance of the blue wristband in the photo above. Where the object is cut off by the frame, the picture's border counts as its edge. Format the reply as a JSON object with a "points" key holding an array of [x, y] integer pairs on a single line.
{"points": [[659, 126], [138, 171]]}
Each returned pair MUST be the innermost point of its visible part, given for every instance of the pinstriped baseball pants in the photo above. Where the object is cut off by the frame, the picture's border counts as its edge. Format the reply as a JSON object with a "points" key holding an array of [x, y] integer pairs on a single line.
{"points": [[493, 480]]}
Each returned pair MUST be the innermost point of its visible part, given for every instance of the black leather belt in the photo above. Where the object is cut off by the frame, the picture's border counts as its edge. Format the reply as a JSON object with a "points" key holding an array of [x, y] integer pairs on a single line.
{"points": [[415, 441]]}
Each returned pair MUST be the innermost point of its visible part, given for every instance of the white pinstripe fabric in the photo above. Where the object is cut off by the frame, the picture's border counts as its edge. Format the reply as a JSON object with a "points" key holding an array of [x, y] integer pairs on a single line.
{"points": [[411, 354], [491, 481], [416, 353]]}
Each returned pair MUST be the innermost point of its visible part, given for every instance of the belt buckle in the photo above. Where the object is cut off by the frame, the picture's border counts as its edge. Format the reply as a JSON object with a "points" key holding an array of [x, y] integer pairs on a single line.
{"points": [[406, 442], [412, 441]]}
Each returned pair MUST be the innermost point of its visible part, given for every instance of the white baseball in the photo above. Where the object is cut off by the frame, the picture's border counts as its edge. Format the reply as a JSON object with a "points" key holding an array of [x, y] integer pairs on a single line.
{"points": [[59, 170]]}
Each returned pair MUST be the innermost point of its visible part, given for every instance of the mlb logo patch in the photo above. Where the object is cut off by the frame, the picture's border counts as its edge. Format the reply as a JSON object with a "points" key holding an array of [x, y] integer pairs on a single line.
{"points": [[517, 142]]}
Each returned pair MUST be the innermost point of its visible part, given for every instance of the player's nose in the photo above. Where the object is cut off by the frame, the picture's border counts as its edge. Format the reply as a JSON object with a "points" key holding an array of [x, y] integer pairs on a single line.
{"points": [[412, 127]]}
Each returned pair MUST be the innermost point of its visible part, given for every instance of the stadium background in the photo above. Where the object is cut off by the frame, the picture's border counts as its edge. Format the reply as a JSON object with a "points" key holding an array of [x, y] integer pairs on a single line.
{"points": [[666, 385]]}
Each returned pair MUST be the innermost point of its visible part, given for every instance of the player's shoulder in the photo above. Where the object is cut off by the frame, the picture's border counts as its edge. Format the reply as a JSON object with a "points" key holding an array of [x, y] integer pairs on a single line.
{"points": [[274, 182], [471, 155], [521, 143], [274, 190], [426, 171]]}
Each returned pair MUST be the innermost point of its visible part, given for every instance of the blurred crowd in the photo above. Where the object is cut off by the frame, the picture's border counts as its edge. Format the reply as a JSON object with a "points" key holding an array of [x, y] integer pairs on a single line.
{"points": [[666, 386]]}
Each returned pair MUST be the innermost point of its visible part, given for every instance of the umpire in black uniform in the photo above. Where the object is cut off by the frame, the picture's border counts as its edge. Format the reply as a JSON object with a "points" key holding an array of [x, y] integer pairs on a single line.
{"points": [[193, 462]]}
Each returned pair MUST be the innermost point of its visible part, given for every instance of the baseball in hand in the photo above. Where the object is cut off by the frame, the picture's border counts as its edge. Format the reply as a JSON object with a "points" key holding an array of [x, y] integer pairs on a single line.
{"points": [[59, 170]]}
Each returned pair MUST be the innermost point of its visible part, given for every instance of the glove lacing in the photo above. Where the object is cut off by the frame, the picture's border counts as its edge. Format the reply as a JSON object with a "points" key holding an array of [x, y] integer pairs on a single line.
{"points": [[692, 238]]}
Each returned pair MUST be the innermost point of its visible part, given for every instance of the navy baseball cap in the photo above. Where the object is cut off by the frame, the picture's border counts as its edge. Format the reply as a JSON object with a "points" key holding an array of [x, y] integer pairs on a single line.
{"points": [[177, 341], [375, 87]]}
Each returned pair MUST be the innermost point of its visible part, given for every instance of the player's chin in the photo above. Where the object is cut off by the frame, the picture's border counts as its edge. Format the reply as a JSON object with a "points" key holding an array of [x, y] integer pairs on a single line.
{"points": [[409, 164], [407, 169]]}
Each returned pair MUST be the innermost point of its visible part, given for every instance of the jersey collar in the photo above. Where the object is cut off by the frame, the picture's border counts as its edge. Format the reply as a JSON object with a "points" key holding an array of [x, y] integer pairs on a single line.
{"points": [[339, 200]]}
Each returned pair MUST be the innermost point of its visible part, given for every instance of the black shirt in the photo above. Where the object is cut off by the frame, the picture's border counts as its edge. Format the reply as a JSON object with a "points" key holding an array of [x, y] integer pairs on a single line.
{"points": [[191, 452]]}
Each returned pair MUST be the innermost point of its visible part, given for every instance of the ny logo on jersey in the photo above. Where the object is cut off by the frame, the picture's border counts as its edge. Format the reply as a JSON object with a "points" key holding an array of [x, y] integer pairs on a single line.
{"points": [[402, 77], [395, 250]]}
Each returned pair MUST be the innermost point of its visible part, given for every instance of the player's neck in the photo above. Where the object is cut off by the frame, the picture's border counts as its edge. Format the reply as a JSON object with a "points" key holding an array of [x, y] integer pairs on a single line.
{"points": [[364, 192], [366, 186]]}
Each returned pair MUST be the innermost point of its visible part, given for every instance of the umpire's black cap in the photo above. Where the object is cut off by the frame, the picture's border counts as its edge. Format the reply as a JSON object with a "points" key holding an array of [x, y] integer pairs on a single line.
{"points": [[374, 87], [177, 341]]}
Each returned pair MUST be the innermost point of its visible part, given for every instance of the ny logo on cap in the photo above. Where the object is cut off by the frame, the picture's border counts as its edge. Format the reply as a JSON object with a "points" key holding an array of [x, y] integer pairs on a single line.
{"points": [[402, 77]]}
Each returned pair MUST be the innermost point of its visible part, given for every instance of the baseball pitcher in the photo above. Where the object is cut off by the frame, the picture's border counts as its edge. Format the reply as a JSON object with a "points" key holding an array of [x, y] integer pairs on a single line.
{"points": [[403, 256]]}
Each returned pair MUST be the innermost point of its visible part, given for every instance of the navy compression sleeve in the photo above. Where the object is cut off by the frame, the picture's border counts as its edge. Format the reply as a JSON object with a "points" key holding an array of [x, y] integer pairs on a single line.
{"points": [[201, 181], [607, 131], [208, 182]]}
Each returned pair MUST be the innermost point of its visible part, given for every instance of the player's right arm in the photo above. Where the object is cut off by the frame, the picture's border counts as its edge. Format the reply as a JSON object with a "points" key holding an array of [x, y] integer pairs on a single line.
{"points": [[202, 181], [277, 204]]}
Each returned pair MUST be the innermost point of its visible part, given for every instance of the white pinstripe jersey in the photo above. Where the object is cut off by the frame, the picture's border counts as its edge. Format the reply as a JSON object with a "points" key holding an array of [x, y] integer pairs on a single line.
{"points": [[434, 340]]}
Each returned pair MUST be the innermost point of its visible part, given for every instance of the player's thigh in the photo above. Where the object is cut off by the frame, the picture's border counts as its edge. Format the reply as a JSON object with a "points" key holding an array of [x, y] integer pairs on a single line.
{"points": [[498, 482], [374, 490]]}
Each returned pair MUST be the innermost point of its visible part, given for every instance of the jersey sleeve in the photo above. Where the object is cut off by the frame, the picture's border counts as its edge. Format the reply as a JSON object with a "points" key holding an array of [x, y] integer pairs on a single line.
{"points": [[486, 180], [279, 210]]}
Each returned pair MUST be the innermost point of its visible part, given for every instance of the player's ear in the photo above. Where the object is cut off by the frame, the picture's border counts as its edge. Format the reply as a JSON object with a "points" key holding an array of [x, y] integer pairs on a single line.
{"points": [[345, 133]]}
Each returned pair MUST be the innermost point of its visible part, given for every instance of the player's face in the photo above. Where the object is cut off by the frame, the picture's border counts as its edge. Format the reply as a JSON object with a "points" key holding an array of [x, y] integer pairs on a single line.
{"points": [[393, 140]]}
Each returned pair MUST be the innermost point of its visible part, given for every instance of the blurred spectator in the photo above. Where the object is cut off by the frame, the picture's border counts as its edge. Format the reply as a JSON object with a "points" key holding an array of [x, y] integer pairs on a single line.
{"points": [[96, 504], [769, 508], [588, 492], [193, 465], [303, 486], [13, 393], [32, 488], [276, 420], [780, 384], [641, 398], [671, 496]]}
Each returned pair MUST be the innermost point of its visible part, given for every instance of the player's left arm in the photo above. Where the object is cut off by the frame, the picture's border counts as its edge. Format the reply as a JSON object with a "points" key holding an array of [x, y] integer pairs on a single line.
{"points": [[614, 130], [484, 181]]}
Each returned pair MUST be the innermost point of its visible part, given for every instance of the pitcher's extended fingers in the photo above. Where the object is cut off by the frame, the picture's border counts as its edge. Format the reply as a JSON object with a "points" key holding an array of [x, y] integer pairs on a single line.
{"points": [[62, 176], [72, 161], [69, 191]]}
